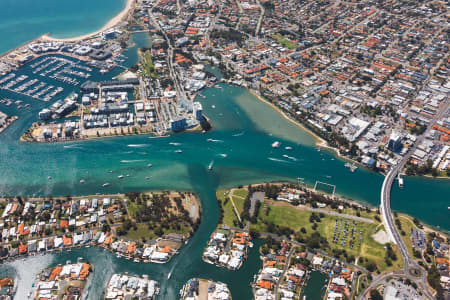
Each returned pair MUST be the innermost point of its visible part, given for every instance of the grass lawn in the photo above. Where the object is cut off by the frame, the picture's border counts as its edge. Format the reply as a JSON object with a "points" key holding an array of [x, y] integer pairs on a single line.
{"points": [[407, 225], [228, 213], [286, 43], [143, 232], [362, 213], [240, 192], [132, 209], [295, 219]]}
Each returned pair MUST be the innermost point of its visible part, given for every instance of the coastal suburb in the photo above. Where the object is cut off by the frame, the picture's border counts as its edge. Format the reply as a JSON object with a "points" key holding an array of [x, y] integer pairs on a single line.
{"points": [[225, 149]]}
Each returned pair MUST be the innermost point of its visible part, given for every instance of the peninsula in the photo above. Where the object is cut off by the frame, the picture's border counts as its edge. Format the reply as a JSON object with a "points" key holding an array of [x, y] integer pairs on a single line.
{"points": [[147, 227]]}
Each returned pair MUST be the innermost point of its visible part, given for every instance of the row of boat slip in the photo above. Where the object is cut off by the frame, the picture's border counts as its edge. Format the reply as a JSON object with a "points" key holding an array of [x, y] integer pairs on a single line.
{"points": [[12, 83], [7, 77], [32, 88], [65, 79], [9, 102], [69, 71], [54, 69]]}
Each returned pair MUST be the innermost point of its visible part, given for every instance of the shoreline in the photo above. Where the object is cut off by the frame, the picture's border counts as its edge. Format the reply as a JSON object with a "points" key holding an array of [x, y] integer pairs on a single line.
{"points": [[320, 142], [116, 20]]}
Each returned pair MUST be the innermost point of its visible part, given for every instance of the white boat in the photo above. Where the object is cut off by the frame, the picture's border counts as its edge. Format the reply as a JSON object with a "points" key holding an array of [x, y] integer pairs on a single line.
{"points": [[82, 181], [285, 156], [49, 177], [288, 148], [400, 181], [178, 151], [106, 184], [120, 176], [210, 166], [147, 178], [276, 144], [149, 165]]}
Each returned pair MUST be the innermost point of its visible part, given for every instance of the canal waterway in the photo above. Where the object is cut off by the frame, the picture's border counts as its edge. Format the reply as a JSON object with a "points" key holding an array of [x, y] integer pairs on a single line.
{"points": [[239, 145], [315, 286]]}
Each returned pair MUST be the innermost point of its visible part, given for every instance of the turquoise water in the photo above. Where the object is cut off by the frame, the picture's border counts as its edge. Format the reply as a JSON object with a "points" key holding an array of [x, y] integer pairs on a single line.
{"points": [[24, 20]]}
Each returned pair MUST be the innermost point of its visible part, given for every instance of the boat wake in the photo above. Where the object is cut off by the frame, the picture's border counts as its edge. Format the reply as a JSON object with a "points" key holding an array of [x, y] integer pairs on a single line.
{"points": [[239, 134], [137, 145], [290, 157], [214, 141], [174, 144], [278, 160], [72, 147], [124, 161]]}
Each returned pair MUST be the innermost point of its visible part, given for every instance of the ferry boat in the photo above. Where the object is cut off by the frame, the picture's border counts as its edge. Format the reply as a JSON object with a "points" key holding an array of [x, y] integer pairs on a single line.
{"points": [[276, 144]]}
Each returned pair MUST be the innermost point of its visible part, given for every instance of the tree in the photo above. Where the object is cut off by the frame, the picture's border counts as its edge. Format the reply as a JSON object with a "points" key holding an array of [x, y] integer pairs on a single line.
{"points": [[375, 295], [106, 228]]}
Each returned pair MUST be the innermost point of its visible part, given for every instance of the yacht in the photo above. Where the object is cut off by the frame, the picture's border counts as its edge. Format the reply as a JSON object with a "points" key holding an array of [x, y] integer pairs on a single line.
{"points": [[288, 148], [149, 165], [106, 184], [178, 151], [210, 166], [120, 176], [276, 144], [82, 181]]}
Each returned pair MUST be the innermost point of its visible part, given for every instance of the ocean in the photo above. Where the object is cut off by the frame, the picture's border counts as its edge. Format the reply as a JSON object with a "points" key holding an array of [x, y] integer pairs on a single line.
{"points": [[24, 20]]}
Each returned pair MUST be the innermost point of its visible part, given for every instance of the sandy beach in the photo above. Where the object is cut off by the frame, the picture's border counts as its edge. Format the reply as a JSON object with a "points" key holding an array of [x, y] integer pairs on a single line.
{"points": [[121, 17], [320, 142]]}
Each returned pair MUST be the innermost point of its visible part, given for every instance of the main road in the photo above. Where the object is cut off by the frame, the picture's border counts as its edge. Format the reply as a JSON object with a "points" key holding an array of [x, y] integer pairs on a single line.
{"points": [[411, 269]]}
